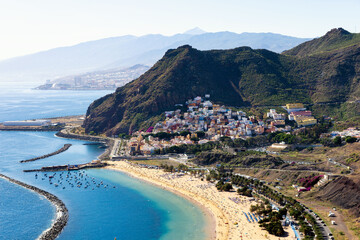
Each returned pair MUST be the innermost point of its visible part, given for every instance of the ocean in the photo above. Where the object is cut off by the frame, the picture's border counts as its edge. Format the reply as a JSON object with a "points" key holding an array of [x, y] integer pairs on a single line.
{"points": [[127, 208]]}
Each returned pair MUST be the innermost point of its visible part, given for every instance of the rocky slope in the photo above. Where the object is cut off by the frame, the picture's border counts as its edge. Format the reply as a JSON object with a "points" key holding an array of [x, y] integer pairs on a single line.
{"points": [[343, 192], [236, 77]]}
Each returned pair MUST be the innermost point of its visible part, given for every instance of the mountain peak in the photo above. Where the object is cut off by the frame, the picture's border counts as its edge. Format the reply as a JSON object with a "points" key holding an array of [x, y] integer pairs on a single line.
{"points": [[333, 40], [195, 31], [337, 32]]}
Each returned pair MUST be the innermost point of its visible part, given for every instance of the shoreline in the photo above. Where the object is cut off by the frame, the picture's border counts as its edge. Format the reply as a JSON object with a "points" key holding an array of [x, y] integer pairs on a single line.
{"points": [[228, 221], [62, 214], [209, 215], [223, 211], [109, 142]]}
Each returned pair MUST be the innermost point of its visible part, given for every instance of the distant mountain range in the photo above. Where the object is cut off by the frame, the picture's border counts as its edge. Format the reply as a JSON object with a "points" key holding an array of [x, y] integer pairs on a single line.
{"points": [[127, 51], [326, 69]]}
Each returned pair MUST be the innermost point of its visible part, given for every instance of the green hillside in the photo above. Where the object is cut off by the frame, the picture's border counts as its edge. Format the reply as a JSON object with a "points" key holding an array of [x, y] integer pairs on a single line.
{"points": [[336, 39], [236, 77]]}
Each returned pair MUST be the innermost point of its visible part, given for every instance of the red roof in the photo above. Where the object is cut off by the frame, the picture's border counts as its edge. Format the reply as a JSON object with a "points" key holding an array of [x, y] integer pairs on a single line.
{"points": [[302, 113]]}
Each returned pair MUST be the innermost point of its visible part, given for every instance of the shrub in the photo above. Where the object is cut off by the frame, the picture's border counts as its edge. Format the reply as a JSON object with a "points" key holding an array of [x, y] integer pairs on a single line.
{"points": [[337, 141], [350, 139]]}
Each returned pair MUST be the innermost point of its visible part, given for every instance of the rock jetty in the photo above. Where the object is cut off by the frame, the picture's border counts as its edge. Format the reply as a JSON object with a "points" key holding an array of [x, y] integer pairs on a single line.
{"points": [[69, 167], [66, 134], [62, 213], [63, 149], [109, 142]]}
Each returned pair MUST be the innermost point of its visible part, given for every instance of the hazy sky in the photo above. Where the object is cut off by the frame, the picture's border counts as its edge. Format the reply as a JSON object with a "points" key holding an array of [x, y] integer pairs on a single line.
{"points": [[29, 26]]}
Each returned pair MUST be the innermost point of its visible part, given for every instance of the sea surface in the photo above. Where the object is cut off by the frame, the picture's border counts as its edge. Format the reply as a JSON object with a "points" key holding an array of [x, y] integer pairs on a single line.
{"points": [[103, 204], [22, 103]]}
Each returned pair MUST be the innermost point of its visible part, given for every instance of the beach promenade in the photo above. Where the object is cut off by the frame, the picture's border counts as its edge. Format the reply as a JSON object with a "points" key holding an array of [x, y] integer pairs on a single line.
{"points": [[224, 210]]}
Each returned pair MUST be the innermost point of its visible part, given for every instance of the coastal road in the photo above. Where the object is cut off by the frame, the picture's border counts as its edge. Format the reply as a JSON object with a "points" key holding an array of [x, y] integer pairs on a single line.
{"points": [[324, 228], [115, 148], [283, 170]]}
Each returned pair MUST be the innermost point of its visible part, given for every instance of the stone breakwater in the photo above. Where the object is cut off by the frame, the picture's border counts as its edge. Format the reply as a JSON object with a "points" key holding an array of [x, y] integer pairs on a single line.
{"points": [[63, 149], [62, 214], [68, 167], [30, 129], [64, 134], [109, 142]]}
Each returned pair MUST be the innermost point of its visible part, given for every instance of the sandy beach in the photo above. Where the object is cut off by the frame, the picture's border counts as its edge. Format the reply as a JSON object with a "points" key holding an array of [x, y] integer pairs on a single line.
{"points": [[224, 208]]}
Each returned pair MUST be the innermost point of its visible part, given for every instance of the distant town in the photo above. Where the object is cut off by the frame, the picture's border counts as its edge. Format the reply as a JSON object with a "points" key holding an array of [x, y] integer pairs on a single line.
{"points": [[99, 80]]}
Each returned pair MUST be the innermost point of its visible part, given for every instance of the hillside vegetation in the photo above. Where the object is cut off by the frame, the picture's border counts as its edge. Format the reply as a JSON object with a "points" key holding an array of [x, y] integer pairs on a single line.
{"points": [[336, 39], [238, 77]]}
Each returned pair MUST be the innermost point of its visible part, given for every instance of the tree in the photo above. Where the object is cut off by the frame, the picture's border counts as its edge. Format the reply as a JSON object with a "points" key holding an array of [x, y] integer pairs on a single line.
{"points": [[337, 141], [183, 167], [350, 139], [227, 187], [208, 178], [219, 185], [195, 139], [238, 142], [185, 133], [282, 211], [327, 142], [200, 134]]}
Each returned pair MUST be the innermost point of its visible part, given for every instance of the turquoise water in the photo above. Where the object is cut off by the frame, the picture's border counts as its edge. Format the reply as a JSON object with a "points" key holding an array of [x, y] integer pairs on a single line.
{"points": [[131, 210]]}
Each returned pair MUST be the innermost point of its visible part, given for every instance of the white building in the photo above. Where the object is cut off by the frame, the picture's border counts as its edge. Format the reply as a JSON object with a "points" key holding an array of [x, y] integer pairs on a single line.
{"points": [[28, 123]]}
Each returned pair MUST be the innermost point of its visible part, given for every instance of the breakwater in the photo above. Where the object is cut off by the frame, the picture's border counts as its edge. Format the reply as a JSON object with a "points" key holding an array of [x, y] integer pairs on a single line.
{"points": [[63, 149], [62, 214], [30, 129], [64, 134], [68, 167], [109, 142]]}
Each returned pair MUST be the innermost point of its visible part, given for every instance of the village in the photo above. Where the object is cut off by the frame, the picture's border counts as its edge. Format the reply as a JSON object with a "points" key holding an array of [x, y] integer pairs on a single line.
{"points": [[205, 121]]}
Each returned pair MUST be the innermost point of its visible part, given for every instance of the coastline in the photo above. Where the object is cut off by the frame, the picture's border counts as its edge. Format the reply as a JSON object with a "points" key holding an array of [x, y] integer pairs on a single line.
{"points": [[62, 214], [209, 215], [210, 228], [67, 135], [223, 214]]}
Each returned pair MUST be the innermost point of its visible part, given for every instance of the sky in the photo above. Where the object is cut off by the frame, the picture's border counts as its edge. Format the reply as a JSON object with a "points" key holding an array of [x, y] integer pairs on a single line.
{"points": [[32, 26]]}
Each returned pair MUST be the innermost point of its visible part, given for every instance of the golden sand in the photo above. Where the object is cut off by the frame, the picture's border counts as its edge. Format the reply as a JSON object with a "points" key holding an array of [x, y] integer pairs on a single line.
{"points": [[226, 208]]}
